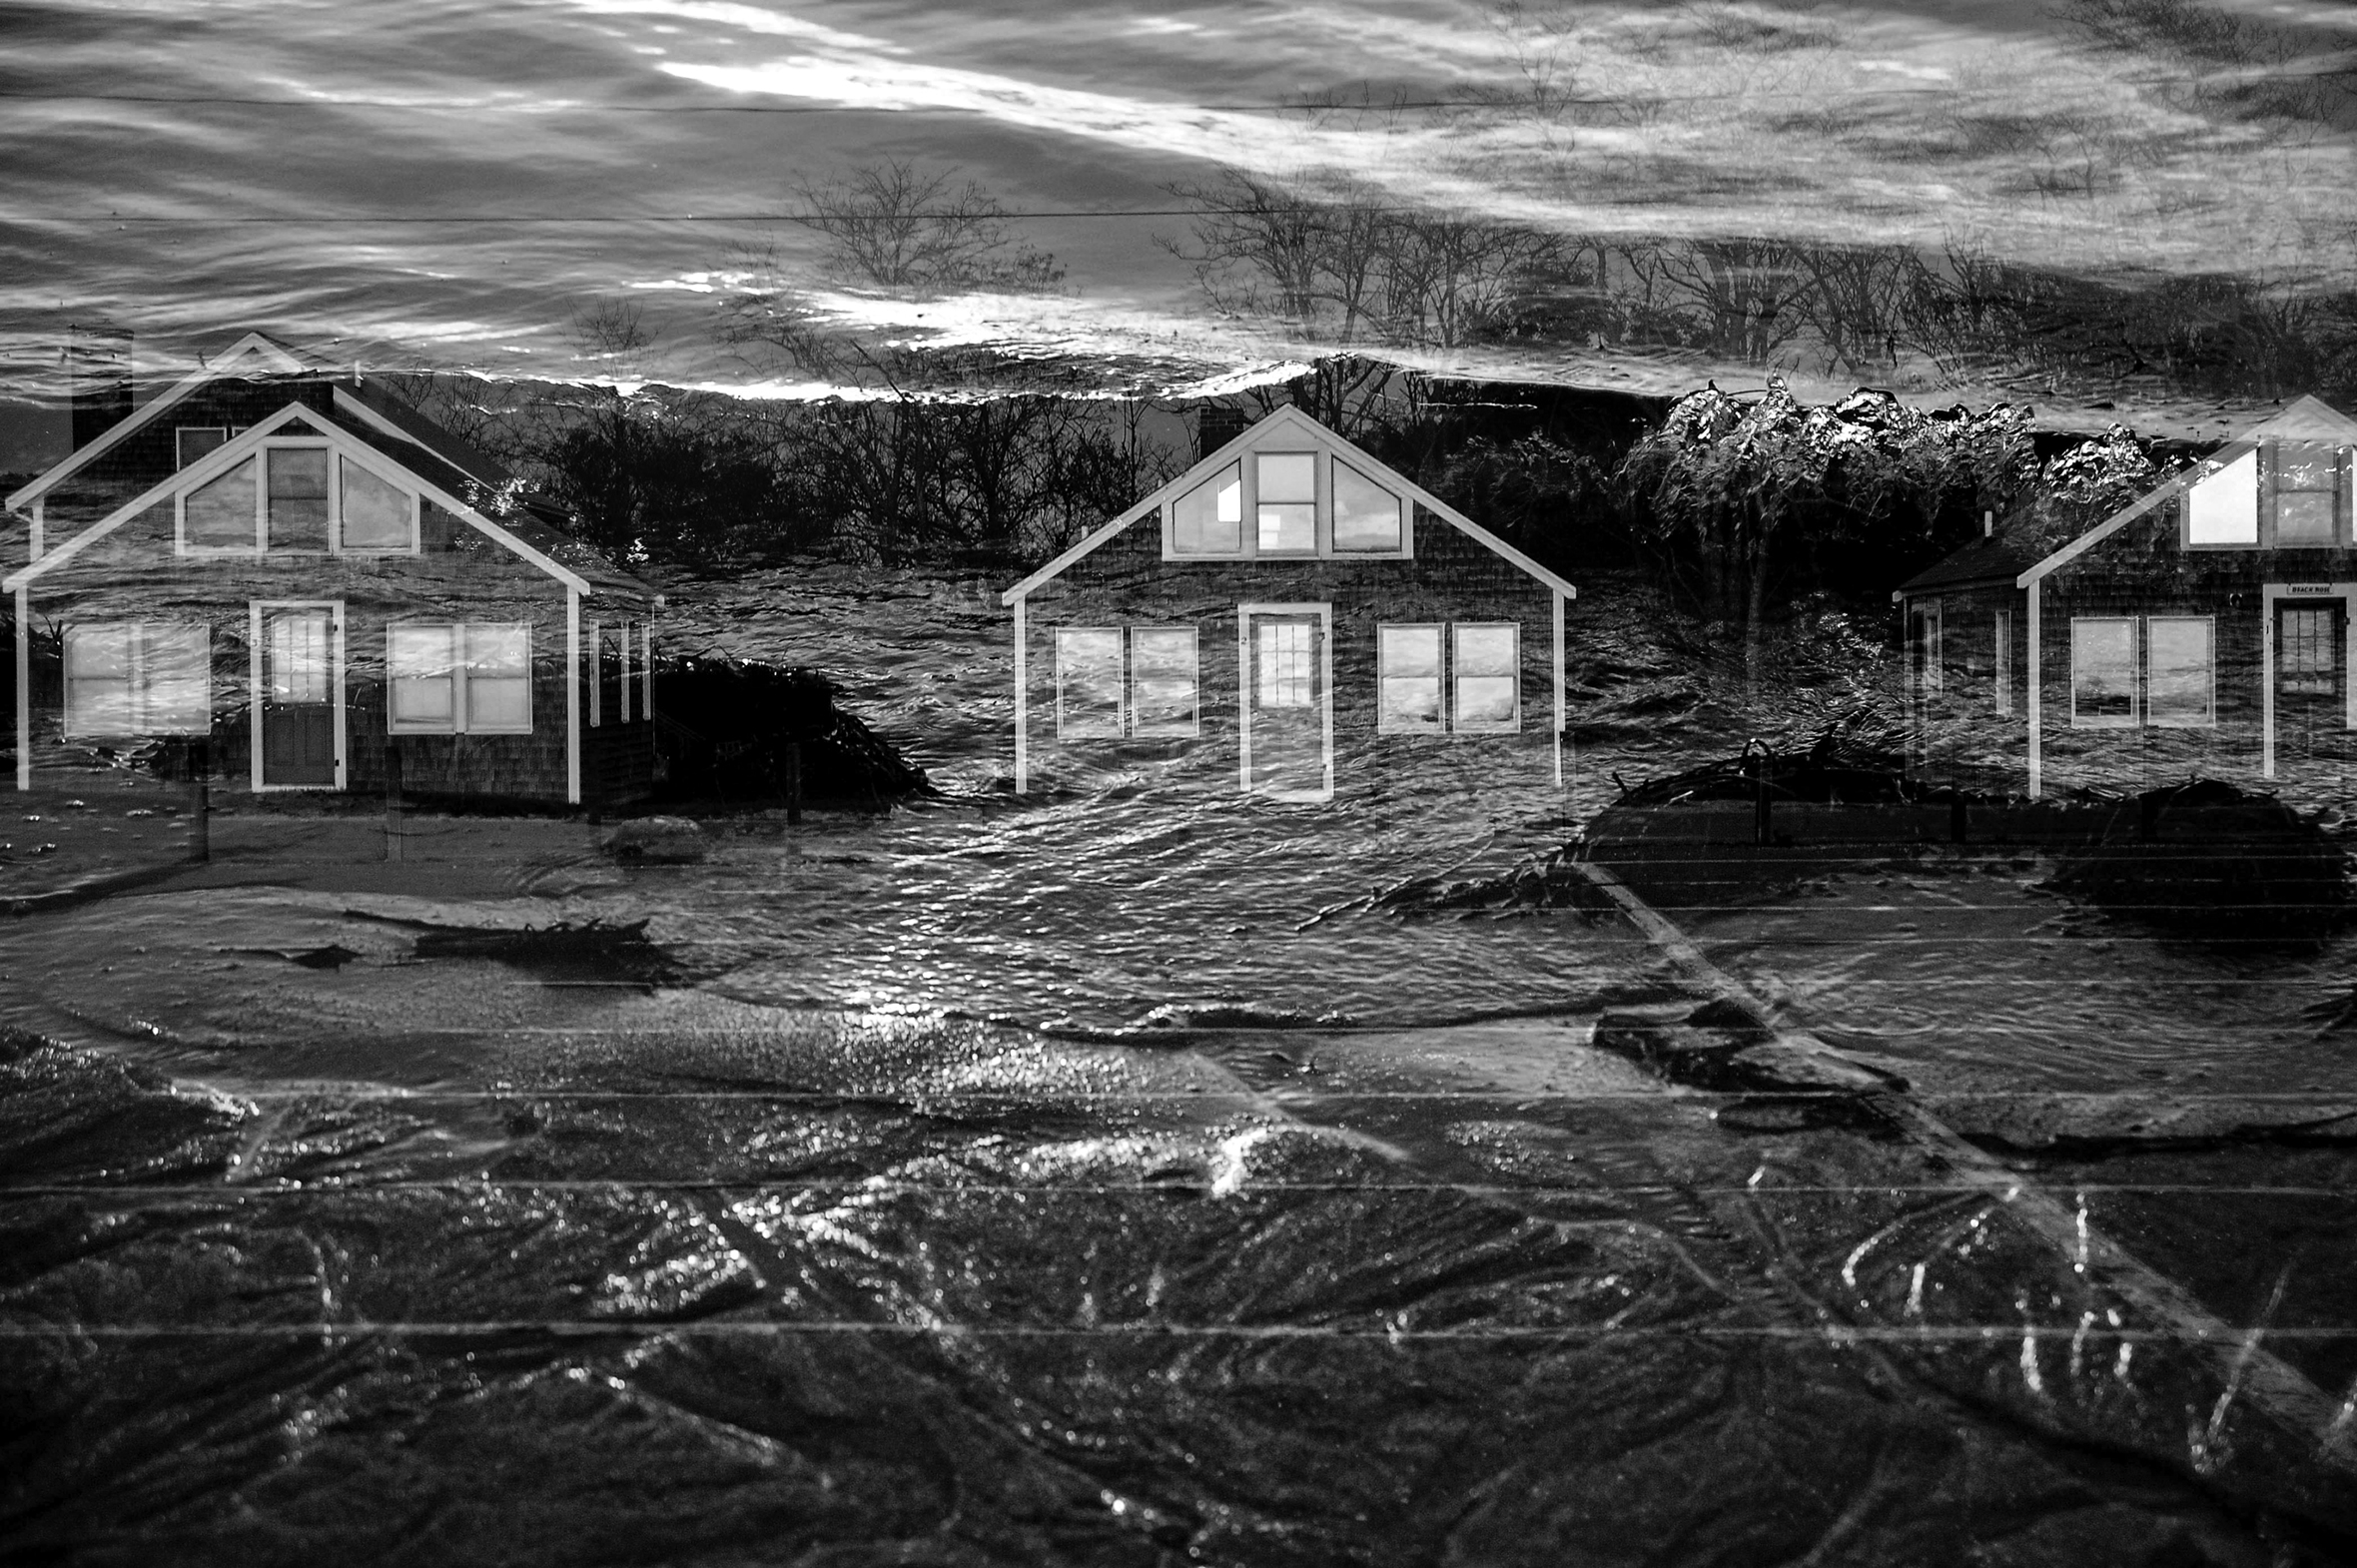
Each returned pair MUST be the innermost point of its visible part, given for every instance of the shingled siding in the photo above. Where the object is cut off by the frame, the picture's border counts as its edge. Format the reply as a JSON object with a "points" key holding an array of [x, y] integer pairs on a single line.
{"points": [[2141, 571], [151, 453], [1126, 582], [132, 574], [1961, 737]]}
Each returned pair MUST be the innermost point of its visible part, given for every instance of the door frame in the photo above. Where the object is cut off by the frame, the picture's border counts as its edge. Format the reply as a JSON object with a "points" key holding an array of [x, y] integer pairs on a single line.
{"points": [[2272, 595], [1243, 697], [257, 612]]}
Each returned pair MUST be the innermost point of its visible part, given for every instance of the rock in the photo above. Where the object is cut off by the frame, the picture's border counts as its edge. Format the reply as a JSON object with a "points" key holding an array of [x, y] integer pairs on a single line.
{"points": [[662, 841]]}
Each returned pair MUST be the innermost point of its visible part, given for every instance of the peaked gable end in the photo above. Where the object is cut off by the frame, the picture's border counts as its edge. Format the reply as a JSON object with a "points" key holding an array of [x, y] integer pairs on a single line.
{"points": [[211, 490], [241, 357], [1286, 489]]}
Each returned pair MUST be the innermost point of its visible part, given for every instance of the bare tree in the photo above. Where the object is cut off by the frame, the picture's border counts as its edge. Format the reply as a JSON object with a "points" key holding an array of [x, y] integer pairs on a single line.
{"points": [[898, 227]]}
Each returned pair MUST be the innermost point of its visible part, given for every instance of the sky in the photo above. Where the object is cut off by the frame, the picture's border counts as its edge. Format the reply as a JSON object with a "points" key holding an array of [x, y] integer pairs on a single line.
{"points": [[451, 184]]}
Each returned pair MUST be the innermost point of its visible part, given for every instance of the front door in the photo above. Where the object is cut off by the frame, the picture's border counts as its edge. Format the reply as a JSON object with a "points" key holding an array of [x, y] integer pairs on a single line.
{"points": [[297, 728], [1289, 719], [2311, 664]]}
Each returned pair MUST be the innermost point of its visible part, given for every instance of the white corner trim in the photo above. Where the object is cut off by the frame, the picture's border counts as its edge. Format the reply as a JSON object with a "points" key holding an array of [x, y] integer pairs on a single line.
{"points": [[24, 692], [572, 693], [1022, 700]]}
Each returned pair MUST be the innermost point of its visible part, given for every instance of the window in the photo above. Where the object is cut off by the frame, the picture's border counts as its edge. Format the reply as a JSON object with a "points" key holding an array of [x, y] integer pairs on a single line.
{"points": [[1163, 681], [471, 679], [1488, 663], [139, 679], [1287, 503], [298, 517], [498, 679], [376, 513], [1281, 666], [194, 441], [2307, 655], [1367, 515], [1407, 678], [1209, 520], [1088, 681], [299, 498], [2224, 508], [2308, 494], [218, 515], [2179, 661], [2102, 672]]}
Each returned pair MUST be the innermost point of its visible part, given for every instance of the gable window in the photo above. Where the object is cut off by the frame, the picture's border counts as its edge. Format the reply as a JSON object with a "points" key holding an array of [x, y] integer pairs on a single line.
{"points": [[1164, 682], [1088, 681], [300, 498], [2104, 672], [2179, 663], [296, 518], [2308, 494], [1367, 517], [138, 678], [218, 515], [442, 679], [192, 441], [2224, 508], [1408, 679], [1488, 661], [1287, 503], [1209, 520], [375, 513]]}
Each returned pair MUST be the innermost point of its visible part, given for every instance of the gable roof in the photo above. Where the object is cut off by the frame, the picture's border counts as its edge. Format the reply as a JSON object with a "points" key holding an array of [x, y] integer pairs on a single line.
{"points": [[254, 346], [531, 540], [1989, 560], [1282, 419], [2305, 418]]}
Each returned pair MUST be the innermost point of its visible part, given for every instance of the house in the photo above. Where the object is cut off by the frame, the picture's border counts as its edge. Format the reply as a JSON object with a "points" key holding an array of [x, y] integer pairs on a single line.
{"points": [[2202, 629], [286, 563], [1285, 599]]}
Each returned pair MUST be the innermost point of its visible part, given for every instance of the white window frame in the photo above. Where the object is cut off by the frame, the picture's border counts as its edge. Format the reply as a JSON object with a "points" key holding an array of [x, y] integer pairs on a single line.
{"points": [[1065, 728], [180, 457], [2272, 491], [1249, 529], [2258, 538], [461, 660], [1403, 550], [1457, 724], [1440, 633], [414, 544], [1319, 505], [139, 688], [2136, 713], [1194, 727], [261, 545], [2209, 715]]}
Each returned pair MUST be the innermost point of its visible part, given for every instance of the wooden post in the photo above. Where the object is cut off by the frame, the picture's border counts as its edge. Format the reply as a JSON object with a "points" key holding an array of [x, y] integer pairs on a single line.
{"points": [[200, 808], [1763, 832], [793, 781], [392, 800]]}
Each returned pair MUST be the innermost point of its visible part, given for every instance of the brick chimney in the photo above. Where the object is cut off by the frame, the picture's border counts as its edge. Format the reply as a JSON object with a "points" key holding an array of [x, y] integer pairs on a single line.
{"points": [[1216, 424]]}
